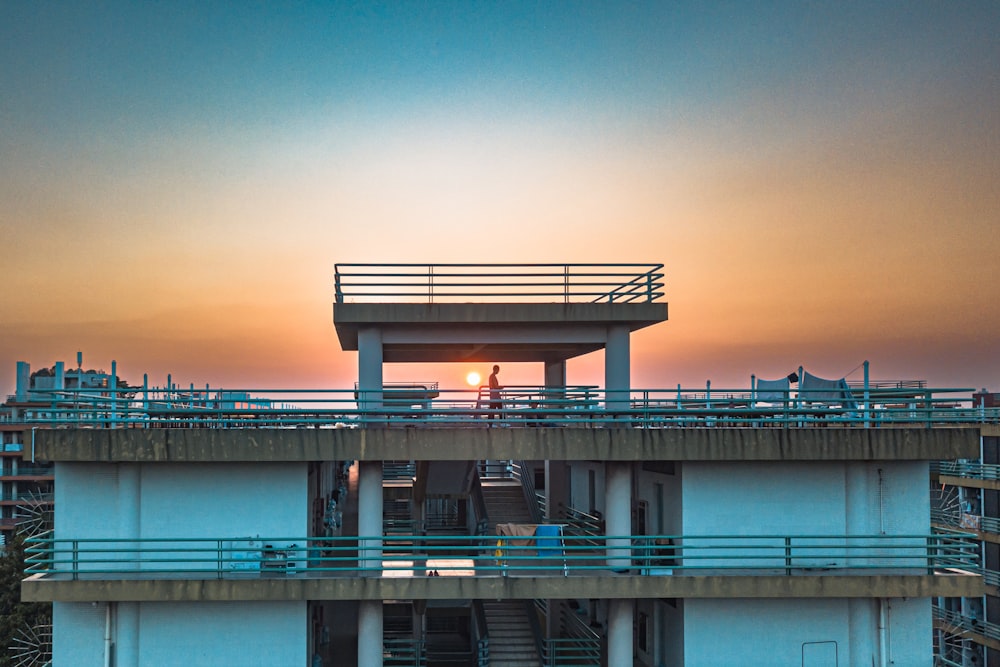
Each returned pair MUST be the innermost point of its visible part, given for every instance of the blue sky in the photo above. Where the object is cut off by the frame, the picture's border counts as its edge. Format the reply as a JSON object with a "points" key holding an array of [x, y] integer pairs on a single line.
{"points": [[818, 178]]}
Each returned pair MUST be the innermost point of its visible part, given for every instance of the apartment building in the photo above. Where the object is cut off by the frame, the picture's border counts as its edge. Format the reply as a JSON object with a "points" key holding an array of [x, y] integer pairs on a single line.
{"points": [[552, 524], [965, 497]]}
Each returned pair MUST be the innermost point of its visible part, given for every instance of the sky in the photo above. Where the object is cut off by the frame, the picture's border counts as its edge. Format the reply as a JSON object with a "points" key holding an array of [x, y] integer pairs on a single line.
{"points": [[819, 180]]}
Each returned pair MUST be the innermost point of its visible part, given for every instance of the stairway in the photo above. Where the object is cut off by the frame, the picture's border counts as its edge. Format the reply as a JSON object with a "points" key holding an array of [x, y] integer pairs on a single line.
{"points": [[505, 503], [512, 643]]}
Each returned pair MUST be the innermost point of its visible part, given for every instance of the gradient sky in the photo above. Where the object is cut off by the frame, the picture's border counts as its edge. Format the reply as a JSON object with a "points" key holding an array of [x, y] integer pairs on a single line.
{"points": [[820, 180]]}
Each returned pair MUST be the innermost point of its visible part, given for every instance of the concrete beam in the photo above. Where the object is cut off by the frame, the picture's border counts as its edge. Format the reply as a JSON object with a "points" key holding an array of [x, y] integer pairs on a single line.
{"points": [[303, 587], [521, 443], [349, 318]]}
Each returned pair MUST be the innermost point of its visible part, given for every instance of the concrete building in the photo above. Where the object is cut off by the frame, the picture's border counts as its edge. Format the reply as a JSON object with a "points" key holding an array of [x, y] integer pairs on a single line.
{"points": [[965, 498], [552, 524], [25, 481]]}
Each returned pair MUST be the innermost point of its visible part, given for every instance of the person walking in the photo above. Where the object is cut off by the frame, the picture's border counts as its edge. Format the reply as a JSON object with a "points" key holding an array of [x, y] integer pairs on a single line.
{"points": [[496, 402]]}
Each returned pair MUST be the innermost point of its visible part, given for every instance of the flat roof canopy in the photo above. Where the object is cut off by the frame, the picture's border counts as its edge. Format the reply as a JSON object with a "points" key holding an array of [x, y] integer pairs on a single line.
{"points": [[484, 332]]}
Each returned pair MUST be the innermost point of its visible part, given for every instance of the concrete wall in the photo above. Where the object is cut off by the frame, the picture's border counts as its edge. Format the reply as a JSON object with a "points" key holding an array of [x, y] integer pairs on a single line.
{"points": [[798, 498], [811, 633], [159, 500], [194, 634], [128, 501]]}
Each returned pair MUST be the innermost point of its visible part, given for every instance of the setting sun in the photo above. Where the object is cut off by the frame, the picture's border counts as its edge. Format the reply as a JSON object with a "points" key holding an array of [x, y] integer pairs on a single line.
{"points": [[473, 378]]}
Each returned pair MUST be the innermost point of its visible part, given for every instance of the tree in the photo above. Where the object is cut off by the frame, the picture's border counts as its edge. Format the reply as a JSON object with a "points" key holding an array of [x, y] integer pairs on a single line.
{"points": [[17, 619]]}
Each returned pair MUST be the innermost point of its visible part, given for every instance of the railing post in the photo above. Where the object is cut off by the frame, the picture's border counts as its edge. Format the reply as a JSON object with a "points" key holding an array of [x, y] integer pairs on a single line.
{"points": [[76, 559], [338, 291], [219, 562], [788, 556], [430, 283], [565, 283], [931, 543]]}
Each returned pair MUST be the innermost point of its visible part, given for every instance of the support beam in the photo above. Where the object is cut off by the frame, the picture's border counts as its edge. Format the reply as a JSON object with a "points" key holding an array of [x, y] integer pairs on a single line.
{"points": [[620, 613], [370, 368], [370, 633], [555, 374], [370, 517], [617, 378], [618, 514]]}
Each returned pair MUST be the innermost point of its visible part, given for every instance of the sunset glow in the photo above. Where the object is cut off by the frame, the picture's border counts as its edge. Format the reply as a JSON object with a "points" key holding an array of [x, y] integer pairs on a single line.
{"points": [[819, 184], [473, 379]]}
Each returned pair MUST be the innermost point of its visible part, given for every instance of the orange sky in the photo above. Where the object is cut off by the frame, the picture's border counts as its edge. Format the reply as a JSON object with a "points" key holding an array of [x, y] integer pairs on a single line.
{"points": [[821, 186]]}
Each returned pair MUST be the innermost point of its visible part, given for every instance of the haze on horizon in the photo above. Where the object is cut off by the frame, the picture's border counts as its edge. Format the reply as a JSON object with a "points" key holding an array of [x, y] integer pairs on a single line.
{"points": [[178, 179]]}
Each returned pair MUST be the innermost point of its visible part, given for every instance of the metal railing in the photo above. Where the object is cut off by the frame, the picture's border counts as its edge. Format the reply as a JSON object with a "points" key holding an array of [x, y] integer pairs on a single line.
{"points": [[958, 624], [577, 645], [471, 555], [577, 406], [989, 471], [499, 283], [397, 652], [30, 471]]}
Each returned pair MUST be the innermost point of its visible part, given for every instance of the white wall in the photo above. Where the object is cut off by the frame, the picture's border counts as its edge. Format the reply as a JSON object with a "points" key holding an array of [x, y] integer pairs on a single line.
{"points": [[181, 500], [746, 498], [157, 500], [764, 633], [194, 634], [761, 633], [806, 498]]}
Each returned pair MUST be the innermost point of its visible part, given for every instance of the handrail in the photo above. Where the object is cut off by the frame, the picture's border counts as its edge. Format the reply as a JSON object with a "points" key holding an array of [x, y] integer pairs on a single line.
{"points": [[499, 283], [960, 624], [522, 406], [521, 473], [473, 555], [970, 470]]}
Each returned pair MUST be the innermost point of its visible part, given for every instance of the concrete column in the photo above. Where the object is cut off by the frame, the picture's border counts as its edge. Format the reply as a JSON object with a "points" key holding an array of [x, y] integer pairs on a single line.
{"points": [[617, 380], [59, 377], [555, 374], [556, 490], [370, 518], [620, 632], [370, 633], [370, 368], [23, 381], [618, 514]]}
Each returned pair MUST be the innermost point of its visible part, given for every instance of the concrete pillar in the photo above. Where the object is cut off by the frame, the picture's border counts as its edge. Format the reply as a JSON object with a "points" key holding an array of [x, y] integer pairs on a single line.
{"points": [[370, 368], [620, 615], [617, 380], [23, 381], [59, 376], [556, 490], [618, 514], [555, 374], [370, 517], [370, 633]]}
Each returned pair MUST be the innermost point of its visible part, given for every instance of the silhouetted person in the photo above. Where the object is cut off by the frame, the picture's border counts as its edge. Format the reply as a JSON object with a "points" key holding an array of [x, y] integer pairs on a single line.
{"points": [[496, 403]]}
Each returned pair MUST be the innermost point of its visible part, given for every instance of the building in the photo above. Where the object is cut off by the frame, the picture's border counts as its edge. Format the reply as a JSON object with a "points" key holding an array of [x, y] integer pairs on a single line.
{"points": [[553, 524], [26, 481], [965, 497]]}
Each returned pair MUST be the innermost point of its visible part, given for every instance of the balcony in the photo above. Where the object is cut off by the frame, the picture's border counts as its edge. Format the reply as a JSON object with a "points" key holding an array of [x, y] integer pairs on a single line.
{"points": [[504, 567], [521, 407]]}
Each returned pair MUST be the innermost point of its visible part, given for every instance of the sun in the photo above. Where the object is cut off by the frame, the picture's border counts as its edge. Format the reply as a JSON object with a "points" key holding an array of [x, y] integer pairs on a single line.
{"points": [[473, 378]]}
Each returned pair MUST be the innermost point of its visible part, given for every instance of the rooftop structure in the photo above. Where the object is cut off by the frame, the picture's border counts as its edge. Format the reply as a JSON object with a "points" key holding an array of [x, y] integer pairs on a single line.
{"points": [[552, 524]]}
